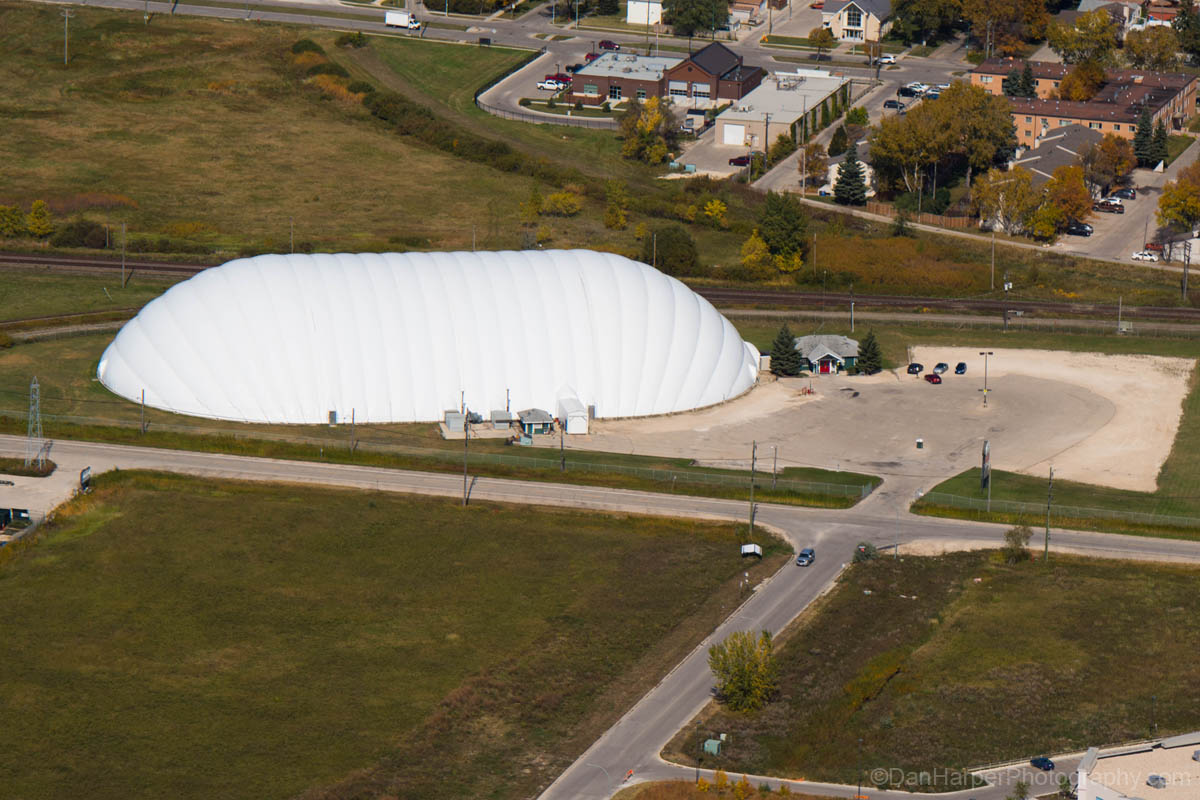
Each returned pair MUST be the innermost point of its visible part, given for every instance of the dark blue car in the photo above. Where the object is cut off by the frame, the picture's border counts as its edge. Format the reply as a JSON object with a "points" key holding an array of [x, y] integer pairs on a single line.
{"points": [[1042, 763]]}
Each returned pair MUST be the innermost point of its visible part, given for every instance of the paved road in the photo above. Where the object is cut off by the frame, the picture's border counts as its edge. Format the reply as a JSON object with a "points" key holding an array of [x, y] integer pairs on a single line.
{"points": [[635, 741]]}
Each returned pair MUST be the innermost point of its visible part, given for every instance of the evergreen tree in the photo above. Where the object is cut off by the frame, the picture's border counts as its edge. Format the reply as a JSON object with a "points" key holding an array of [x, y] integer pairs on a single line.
{"points": [[850, 189], [785, 358], [783, 223], [1028, 84], [870, 358], [1012, 84], [38, 223], [825, 119], [1158, 144], [837, 144], [1142, 138]]}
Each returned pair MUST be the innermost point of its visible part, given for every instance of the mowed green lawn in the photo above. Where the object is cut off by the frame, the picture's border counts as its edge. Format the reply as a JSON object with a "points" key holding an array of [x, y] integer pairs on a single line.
{"points": [[27, 293], [178, 637], [956, 661], [202, 129]]}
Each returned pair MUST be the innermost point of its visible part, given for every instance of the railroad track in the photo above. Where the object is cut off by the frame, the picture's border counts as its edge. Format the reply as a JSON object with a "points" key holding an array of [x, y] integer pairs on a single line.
{"points": [[808, 300], [722, 297], [96, 264]]}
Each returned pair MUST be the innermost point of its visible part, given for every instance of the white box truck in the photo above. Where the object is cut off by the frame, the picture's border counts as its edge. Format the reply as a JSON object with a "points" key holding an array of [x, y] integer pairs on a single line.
{"points": [[401, 19]]}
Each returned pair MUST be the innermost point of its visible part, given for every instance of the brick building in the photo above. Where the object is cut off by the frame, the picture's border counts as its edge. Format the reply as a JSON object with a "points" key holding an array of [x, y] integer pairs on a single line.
{"points": [[1169, 96]]}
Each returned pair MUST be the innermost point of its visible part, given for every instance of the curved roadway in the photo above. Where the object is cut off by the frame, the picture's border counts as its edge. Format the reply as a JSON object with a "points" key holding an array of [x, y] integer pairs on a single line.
{"points": [[636, 740]]}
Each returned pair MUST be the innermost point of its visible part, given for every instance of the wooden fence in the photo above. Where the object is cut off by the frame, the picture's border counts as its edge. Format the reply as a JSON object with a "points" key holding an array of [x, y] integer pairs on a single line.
{"points": [[888, 210]]}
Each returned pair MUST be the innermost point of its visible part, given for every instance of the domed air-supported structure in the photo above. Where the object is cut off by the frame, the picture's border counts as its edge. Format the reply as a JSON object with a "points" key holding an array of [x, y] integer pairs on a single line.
{"points": [[402, 337]]}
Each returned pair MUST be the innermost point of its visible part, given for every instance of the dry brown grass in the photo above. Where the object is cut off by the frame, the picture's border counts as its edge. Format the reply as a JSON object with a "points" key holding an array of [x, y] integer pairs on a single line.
{"points": [[195, 121]]}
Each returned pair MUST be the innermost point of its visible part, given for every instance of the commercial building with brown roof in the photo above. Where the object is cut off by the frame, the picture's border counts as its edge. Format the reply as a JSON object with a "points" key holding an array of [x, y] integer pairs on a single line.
{"points": [[1169, 96]]}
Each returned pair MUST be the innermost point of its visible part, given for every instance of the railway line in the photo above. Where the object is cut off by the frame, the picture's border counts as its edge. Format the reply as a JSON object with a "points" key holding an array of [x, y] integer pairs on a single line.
{"points": [[720, 297]]}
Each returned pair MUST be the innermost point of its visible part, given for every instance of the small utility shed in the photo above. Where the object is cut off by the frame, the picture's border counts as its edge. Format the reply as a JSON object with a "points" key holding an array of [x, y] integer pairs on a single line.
{"points": [[535, 420], [573, 413], [826, 353], [501, 419]]}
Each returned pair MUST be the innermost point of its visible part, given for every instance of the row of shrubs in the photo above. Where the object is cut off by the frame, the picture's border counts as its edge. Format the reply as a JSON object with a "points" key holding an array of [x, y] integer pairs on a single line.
{"points": [[420, 122]]}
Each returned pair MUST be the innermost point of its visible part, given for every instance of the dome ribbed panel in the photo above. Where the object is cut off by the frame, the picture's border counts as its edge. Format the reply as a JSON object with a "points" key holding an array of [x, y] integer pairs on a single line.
{"points": [[397, 337]]}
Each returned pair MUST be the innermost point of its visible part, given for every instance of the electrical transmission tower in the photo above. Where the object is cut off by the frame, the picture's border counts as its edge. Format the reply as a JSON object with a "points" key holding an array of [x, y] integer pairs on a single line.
{"points": [[33, 444]]}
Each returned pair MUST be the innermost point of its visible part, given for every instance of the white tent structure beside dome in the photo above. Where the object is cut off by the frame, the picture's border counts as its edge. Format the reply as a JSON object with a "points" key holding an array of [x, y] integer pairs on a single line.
{"points": [[403, 337]]}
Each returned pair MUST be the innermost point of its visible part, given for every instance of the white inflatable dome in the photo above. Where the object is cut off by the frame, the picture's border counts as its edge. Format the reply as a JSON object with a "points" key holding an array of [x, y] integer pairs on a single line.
{"points": [[400, 337]]}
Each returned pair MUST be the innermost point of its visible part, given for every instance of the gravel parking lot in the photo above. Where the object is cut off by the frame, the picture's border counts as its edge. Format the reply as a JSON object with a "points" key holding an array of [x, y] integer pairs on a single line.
{"points": [[1102, 419]]}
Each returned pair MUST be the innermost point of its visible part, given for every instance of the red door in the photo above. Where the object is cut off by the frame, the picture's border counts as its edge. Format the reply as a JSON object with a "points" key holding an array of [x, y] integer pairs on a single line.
{"points": [[824, 367]]}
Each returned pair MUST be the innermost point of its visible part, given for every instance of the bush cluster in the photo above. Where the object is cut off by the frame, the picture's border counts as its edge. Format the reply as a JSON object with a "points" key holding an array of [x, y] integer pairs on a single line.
{"points": [[328, 68], [164, 244], [80, 233], [360, 87], [307, 46], [351, 40], [418, 121]]}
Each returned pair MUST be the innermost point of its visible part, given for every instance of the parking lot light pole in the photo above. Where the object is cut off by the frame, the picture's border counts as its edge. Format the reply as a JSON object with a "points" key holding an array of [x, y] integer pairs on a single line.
{"points": [[985, 354]]}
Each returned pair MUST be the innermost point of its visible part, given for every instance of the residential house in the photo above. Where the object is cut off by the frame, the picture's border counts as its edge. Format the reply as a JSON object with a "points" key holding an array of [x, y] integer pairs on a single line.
{"points": [[858, 20], [1058, 148], [826, 353], [643, 12]]}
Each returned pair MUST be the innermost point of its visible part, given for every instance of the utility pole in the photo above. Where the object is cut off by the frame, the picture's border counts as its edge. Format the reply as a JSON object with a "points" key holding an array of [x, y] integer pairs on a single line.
{"points": [[466, 439], [67, 14], [1007, 286], [753, 462], [774, 464], [122, 255], [142, 426], [985, 354], [1187, 258], [562, 453], [852, 308], [1049, 499], [993, 259]]}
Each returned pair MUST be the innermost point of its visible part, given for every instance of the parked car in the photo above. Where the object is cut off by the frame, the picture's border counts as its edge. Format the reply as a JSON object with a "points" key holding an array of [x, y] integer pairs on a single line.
{"points": [[1154, 247], [740, 161], [933, 378], [940, 367], [887, 58], [915, 368], [590, 57], [1042, 763], [806, 557], [942, 86], [573, 68], [896, 104], [551, 85], [609, 44], [1125, 193], [818, 4], [960, 368], [561, 77], [1144, 255], [1079, 228], [1156, 782], [933, 94], [1108, 206], [907, 91], [1112, 198]]}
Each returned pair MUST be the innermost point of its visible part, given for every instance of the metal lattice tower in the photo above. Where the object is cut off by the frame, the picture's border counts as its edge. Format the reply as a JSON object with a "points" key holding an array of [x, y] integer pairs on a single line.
{"points": [[33, 443]]}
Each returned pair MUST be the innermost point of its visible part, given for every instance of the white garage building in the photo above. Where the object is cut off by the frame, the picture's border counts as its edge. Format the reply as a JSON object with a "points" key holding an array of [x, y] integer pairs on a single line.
{"points": [[787, 102], [399, 337]]}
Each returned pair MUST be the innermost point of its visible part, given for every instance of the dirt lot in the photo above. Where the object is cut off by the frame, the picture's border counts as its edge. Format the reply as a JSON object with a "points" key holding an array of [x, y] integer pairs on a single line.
{"points": [[1103, 419]]}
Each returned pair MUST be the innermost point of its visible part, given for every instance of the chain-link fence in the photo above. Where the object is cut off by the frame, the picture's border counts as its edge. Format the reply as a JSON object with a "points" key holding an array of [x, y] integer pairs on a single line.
{"points": [[548, 464], [1038, 510]]}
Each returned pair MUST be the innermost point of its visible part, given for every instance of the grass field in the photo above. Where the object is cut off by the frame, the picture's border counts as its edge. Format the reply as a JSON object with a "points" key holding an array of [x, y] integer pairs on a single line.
{"points": [[202, 129], [75, 405], [28, 293], [962, 660], [178, 637]]}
